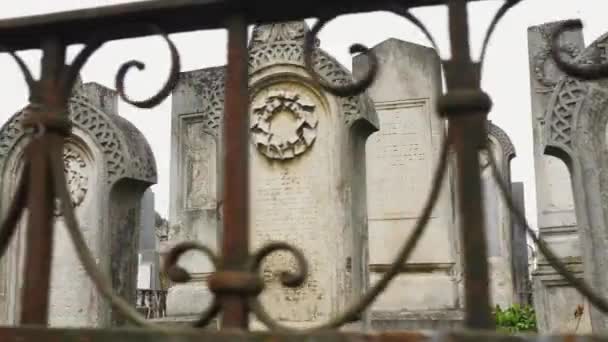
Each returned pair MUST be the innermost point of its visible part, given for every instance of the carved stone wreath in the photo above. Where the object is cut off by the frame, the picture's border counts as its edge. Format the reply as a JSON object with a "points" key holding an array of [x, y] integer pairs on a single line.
{"points": [[541, 59], [76, 176], [271, 143]]}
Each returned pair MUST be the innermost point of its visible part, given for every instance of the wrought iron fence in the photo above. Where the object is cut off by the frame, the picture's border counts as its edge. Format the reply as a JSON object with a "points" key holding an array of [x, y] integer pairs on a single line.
{"points": [[236, 284]]}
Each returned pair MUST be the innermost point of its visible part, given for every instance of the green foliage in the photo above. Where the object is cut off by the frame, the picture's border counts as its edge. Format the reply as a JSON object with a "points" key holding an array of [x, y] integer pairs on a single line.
{"points": [[515, 319]]}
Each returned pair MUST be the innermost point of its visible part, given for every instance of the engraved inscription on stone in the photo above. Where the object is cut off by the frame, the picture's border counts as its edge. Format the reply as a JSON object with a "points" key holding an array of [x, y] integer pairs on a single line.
{"points": [[199, 167], [399, 160], [290, 214], [292, 202]]}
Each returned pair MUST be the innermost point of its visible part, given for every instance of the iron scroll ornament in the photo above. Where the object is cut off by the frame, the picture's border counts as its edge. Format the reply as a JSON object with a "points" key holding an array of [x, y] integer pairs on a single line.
{"points": [[46, 121]]}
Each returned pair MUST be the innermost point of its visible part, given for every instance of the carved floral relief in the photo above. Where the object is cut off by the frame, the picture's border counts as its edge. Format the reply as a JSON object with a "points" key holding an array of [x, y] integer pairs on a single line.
{"points": [[289, 142], [76, 171]]}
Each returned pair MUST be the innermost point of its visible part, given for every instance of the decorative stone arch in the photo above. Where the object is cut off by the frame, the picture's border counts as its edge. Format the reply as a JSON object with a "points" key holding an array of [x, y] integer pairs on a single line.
{"points": [[283, 43], [498, 137], [575, 132], [499, 225], [109, 165]]}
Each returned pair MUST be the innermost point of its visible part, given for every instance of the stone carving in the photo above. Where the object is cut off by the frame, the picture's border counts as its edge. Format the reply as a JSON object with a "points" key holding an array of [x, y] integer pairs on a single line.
{"points": [[293, 140], [576, 133], [76, 173], [199, 168], [103, 128], [553, 111], [543, 64], [565, 102], [293, 30], [108, 165], [284, 43]]}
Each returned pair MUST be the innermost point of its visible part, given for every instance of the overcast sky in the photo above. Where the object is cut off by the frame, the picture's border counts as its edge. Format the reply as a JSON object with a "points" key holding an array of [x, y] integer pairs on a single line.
{"points": [[505, 75]]}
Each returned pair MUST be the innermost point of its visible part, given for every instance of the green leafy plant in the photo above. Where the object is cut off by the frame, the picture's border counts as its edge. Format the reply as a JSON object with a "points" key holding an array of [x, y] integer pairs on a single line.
{"points": [[515, 319]]}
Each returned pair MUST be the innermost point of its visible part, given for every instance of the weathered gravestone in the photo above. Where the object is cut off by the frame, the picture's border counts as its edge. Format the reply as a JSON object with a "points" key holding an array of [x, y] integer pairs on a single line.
{"points": [[575, 131], [498, 223], [521, 257], [307, 176], [401, 159], [198, 103], [555, 102], [148, 250], [108, 165]]}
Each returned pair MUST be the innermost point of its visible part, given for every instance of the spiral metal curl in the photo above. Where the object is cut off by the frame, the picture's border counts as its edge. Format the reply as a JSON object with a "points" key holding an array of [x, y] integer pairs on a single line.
{"points": [[579, 284], [165, 91], [585, 72], [353, 312], [288, 279], [352, 89]]}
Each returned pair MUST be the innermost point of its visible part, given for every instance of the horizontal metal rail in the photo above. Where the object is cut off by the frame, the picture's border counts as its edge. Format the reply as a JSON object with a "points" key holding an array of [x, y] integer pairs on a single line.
{"points": [[110, 22]]}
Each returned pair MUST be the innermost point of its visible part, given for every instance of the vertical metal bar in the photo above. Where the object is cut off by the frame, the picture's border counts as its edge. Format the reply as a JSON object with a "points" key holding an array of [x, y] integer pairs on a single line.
{"points": [[48, 100], [468, 134], [235, 237]]}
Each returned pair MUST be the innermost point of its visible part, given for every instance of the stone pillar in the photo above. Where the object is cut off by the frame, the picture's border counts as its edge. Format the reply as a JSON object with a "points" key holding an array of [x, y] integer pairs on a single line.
{"points": [[519, 248], [198, 103], [554, 301], [401, 159], [575, 131], [108, 166], [498, 218], [307, 176], [148, 250]]}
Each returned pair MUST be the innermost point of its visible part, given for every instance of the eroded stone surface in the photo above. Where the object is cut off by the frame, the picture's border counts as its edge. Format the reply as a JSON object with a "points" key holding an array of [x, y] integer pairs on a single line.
{"points": [[306, 176], [557, 221], [401, 158], [103, 151]]}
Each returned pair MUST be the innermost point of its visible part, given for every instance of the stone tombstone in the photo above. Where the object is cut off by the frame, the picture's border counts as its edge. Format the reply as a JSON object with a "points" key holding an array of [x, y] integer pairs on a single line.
{"points": [[307, 176], [520, 256], [401, 158], [149, 261], [307, 157], [554, 300], [498, 222], [108, 165], [198, 104], [575, 131]]}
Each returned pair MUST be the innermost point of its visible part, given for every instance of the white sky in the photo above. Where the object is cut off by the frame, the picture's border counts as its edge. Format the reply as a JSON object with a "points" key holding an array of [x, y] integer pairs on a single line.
{"points": [[505, 74]]}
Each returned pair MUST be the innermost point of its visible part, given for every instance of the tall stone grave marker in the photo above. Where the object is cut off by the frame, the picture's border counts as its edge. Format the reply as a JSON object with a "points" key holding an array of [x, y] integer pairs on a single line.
{"points": [[554, 300], [575, 131], [521, 258], [401, 159], [149, 259], [307, 175], [108, 165], [198, 103], [498, 218]]}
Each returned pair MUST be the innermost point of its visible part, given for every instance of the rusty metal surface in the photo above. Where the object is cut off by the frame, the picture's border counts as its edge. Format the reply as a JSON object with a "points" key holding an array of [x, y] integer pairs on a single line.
{"points": [[235, 134], [28, 334], [129, 20]]}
